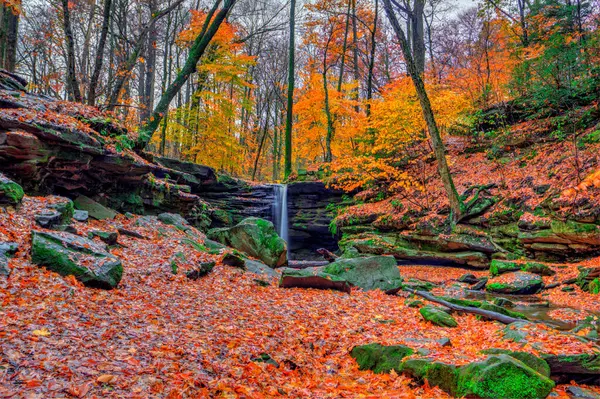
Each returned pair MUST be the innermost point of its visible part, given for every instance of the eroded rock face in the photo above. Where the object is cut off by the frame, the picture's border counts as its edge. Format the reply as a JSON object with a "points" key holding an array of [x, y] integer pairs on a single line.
{"points": [[368, 273], [255, 237], [311, 208], [69, 254]]}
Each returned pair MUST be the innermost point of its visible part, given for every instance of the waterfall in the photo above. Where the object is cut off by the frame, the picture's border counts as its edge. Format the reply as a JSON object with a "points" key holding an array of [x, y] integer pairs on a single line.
{"points": [[280, 212]]}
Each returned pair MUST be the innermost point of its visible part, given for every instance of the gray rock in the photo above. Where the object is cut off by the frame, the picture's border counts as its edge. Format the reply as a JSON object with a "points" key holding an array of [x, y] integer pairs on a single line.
{"points": [[8, 247], [259, 268], [581, 393], [94, 209], [81, 216], [174, 219], [4, 268], [108, 237], [48, 219]]}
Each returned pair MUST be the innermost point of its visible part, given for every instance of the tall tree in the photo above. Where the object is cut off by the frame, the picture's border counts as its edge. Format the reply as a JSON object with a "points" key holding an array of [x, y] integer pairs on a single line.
{"points": [[210, 27], [290, 94], [9, 26], [72, 85], [91, 97], [439, 149]]}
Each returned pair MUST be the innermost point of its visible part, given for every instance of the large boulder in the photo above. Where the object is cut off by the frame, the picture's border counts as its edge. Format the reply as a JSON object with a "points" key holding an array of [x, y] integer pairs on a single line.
{"points": [[515, 283], [10, 192], [502, 376], [255, 237], [368, 273], [69, 254]]}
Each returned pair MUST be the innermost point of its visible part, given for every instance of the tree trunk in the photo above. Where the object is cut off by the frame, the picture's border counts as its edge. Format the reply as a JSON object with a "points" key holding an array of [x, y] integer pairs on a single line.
{"points": [[330, 126], [9, 26], [344, 48], [418, 41], [439, 150], [72, 86], [148, 100], [372, 59], [91, 100], [290, 94], [195, 53]]}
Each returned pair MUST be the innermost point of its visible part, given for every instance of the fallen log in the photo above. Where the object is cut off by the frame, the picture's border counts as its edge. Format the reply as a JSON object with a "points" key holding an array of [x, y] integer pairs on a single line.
{"points": [[466, 309]]}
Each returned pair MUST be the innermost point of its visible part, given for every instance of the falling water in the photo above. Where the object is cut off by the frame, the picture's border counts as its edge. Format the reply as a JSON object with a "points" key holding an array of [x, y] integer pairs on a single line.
{"points": [[280, 212]]}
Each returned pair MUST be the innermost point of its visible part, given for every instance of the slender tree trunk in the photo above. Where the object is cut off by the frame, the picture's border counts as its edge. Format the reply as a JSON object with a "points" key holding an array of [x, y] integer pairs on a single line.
{"points": [[91, 100], [149, 80], [355, 55], [211, 25], [439, 150], [372, 59], [127, 66], [290, 94], [262, 141], [72, 85], [418, 42], [9, 26], [344, 48], [330, 126]]}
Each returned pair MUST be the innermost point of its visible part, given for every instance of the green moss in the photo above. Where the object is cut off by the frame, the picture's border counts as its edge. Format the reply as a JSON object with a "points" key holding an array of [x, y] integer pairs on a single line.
{"points": [[11, 191], [534, 362], [594, 287], [379, 358], [499, 309], [437, 374], [462, 302], [437, 316], [501, 376]]}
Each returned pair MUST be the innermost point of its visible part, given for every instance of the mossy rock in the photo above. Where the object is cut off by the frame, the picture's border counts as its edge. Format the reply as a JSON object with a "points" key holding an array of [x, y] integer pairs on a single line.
{"points": [[536, 363], [516, 331], [379, 358], [108, 237], [502, 376], [69, 254], [499, 267], [515, 283], [66, 208], [442, 375], [368, 273], [577, 364], [437, 316], [588, 279], [10, 192], [257, 238]]}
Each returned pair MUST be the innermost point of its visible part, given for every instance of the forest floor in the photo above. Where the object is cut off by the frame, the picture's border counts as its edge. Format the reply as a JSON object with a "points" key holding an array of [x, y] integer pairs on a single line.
{"points": [[161, 335]]}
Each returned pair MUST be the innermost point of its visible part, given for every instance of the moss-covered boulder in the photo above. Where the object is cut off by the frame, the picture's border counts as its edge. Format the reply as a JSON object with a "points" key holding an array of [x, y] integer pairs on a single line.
{"points": [[442, 375], [368, 273], [536, 363], [69, 254], [437, 316], [255, 237], [502, 376], [499, 267], [108, 237], [589, 279], [515, 283], [10, 192], [379, 358]]}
